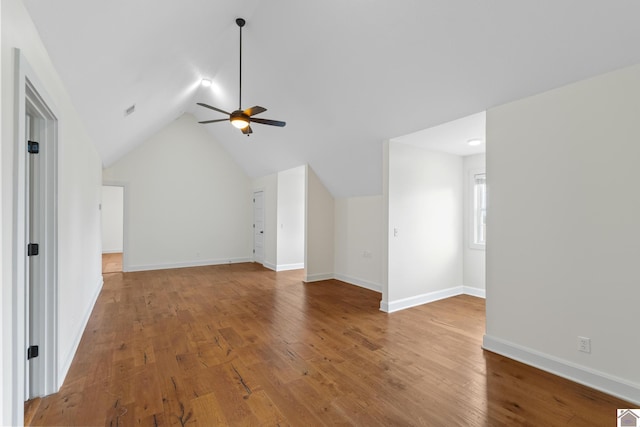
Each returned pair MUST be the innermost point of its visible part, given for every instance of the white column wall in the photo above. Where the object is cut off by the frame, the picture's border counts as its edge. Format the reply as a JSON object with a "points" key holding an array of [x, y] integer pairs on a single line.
{"points": [[319, 230], [291, 218]]}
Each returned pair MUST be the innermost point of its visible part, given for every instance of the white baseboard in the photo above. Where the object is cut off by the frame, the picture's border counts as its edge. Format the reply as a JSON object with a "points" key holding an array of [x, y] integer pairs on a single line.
{"points": [[359, 282], [609, 384], [63, 369], [114, 251], [270, 266], [287, 267], [318, 277], [401, 304], [186, 264], [476, 292]]}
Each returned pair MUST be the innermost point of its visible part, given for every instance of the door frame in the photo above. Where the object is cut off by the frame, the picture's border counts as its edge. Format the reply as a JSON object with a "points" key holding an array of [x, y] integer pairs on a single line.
{"points": [[253, 219], [125, 219], [29, 90]]}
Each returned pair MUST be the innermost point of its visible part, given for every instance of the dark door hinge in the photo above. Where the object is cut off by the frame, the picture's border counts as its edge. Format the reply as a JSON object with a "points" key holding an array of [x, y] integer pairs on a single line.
{"points": [[33, 147], [33, 249], [32, 352]]}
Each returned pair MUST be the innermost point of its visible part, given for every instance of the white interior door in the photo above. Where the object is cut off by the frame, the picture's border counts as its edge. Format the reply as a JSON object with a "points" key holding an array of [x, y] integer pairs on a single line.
{"points": [[258, 226]]}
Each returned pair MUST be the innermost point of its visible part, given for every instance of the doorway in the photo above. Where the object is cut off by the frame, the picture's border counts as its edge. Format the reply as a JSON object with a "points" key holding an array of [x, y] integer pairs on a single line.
{"points": [[112, 209]]}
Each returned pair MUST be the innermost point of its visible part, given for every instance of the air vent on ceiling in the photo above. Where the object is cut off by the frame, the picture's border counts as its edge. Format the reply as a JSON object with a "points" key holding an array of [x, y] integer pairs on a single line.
{"points": [[130, 110]]}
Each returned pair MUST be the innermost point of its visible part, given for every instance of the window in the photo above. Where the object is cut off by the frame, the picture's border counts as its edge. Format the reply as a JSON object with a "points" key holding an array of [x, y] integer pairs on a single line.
{"points": [[479, 210]]}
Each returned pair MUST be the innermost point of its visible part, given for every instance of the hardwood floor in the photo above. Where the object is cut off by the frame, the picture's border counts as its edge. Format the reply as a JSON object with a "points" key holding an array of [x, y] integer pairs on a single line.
{"points": [[112, 263], [242, 345]]}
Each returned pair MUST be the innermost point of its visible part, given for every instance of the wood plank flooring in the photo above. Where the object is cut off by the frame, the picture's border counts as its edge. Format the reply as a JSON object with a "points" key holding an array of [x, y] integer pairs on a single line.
{"points": [[242, 345], [112, 263]]}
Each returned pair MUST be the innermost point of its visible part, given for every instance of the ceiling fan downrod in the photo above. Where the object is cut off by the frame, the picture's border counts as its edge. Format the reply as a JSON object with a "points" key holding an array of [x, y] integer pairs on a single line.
{"points": [[241, 22]]}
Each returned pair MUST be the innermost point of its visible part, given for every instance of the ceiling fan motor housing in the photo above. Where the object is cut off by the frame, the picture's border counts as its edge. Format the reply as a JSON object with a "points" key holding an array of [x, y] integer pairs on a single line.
{"points": [[239, 116]]}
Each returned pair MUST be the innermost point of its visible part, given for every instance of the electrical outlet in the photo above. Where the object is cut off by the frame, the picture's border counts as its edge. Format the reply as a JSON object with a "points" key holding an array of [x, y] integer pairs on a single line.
{"points": [[584, 344]]}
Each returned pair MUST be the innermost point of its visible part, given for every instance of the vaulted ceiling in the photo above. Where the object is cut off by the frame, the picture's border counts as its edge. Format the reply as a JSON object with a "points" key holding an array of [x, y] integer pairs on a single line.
{"points": [[344, 75]]}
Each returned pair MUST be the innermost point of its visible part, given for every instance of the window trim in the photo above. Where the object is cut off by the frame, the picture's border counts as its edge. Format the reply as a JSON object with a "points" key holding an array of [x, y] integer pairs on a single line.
{"points": [[472, 209]]}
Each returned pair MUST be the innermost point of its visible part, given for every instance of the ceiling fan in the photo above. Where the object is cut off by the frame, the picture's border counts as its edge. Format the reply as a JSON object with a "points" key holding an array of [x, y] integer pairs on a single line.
{"points": [[242, 118]]}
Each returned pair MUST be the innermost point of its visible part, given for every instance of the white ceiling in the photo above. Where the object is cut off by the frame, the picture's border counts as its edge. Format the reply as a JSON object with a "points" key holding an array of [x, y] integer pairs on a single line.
{"points": [[451, 137], [344, 75]]}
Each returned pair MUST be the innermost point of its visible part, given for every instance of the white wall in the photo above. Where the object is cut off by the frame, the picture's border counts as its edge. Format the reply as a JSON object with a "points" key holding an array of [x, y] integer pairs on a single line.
{"points": [[425, 207], [291, 217], [564, 242], [358, 241], [319, 230], [112, 218], [79, 168], [473, 276], [188, 202], [269, 186]]}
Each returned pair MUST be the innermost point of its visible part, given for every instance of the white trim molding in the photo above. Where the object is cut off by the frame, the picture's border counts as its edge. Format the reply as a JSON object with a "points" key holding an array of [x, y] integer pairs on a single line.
{"points": [[30, 93], [359, 282], [401, 304], [318, 277], [606, 383], [187, 264], [287, 267], [269, 266]]}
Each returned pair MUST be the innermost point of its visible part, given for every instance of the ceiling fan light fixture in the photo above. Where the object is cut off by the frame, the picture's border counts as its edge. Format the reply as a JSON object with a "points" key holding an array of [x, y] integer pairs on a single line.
{"points": [[205, 82], [239, 119], [474, 142], [240, 122]]}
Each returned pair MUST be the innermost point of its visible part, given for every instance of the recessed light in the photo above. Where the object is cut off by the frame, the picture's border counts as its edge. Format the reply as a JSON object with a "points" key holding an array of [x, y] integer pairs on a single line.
{"points": [[474, 142], [205, 82]]}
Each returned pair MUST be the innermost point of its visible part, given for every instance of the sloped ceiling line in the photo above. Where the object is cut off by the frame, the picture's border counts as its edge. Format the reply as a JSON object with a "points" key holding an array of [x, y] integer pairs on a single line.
{"points": [[344, 75]]}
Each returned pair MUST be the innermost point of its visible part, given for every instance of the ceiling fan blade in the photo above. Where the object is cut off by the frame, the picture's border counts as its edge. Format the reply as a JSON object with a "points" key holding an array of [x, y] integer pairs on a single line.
{"points": [[247, 130], [213, 108], [254, 110], [267, 122], [214, 121]]}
